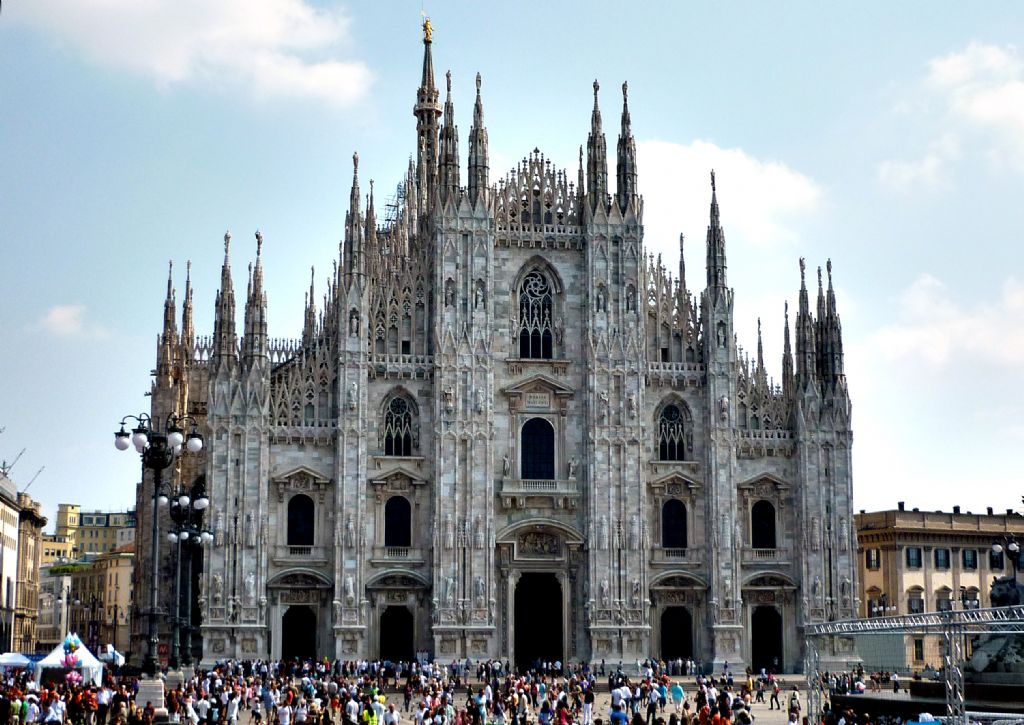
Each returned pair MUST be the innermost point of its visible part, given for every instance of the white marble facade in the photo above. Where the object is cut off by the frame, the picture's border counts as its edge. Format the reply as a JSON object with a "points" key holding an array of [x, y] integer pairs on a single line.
{"points": [[558, 414]]}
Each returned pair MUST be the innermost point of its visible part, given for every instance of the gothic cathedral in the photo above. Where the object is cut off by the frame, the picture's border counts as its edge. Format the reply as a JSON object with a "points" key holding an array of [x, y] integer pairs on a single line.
{"points": [[506, 431]]}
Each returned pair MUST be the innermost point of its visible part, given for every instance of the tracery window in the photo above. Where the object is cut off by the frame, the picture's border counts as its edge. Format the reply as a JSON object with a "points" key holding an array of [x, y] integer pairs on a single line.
{"points": [[398, 427], [535, 324], [671, 434]]}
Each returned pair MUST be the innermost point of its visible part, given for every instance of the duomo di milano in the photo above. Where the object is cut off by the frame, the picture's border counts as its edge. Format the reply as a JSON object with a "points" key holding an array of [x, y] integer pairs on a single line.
{"points": [[508, 432]]}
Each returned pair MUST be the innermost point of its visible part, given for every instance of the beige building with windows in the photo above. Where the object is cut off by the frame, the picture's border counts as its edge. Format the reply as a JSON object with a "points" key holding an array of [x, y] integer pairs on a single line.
{"points": [[30, 550], [924, 561], [82, 533], [58, 549]]}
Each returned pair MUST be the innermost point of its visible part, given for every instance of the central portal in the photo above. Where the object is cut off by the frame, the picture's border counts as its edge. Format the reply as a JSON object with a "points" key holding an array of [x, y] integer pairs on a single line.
{"points": [[298, 634], [397, 634], [538, 620]]}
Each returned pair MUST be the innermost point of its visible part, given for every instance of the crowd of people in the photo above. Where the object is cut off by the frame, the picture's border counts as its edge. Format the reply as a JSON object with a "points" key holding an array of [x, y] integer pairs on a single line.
{"points": [[458, 693]]}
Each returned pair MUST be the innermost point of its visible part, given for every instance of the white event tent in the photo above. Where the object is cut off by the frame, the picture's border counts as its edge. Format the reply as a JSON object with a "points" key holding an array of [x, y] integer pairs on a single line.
{"points": [[90, 667]]}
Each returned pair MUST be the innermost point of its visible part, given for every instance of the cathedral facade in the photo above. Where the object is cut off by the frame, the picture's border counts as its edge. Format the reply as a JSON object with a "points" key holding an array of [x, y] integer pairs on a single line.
{"points": [[506, 431]]}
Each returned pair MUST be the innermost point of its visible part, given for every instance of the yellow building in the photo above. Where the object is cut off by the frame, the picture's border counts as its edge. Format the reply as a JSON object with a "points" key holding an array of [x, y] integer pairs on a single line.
{"points": [[58, 548], [923, 561], [82, 533]]}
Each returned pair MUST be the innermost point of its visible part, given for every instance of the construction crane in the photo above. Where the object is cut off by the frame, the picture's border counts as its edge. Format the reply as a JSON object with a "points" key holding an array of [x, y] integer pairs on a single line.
{"points": [[6, 467], [32, 480]]}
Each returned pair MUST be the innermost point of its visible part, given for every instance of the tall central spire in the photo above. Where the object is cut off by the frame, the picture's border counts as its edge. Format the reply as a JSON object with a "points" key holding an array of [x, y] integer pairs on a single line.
{"points": [[427, 111], [716, 246], [597, 157], [625, 188], [449, 156]]}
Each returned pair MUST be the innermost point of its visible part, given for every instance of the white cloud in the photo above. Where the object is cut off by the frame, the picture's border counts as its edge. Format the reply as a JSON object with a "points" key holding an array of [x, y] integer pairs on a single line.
{"points": [[279, 48], [976, 95], [934, 329], [763, 202], [930, 171], [68, 321]]}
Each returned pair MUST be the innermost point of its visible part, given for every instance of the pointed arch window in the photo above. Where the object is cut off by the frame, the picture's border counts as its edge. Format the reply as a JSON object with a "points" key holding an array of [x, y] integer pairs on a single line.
{"points": [[671, 434], [536, 335], [399, 429]]}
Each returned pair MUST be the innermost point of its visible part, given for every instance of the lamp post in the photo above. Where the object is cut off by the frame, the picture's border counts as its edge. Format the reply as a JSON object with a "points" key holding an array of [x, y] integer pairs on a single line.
{"points": [[188, 536], [1011, 547], [158, 450], [115, 610], [65, 599], [881, 607]]}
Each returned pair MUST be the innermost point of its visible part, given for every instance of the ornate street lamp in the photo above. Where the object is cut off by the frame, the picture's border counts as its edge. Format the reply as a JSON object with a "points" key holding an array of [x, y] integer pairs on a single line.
{"points": [[1010, 546], [188, 535], [158, 450]]}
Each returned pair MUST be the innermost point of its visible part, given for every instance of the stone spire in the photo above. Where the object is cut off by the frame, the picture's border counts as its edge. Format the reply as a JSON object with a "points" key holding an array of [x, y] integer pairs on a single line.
{"points": [[597, 158], [761, 373], [806, 353], [353, 263], [254, 343], [787, 356], [225, 342], [309, 323], [581, 187], [169, 336], [684, 292], [715, 248], [832, 344], [427, 110], [479, 163], [188, 330], [449, 161], [625, 167]]}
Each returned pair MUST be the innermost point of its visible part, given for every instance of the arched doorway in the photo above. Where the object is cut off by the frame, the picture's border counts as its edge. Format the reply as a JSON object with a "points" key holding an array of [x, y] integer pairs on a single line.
{"points": [[397, 634], [676, 633], [298, 633], [538, 619], [538, 450], [766, 639]]}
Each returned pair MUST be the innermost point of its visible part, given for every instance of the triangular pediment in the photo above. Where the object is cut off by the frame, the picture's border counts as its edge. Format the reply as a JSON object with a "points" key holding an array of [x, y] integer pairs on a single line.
{"points": [[300, 472], [675, 479], [763, 480], [397, 476], [538, 383]]}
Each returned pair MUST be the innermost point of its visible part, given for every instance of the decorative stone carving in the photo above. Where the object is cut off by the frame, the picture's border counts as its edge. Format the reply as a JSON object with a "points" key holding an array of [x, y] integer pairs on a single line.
{"points": [[605, 599], [217, 589], [478, 533], [506, 466], [573, 465], [218, 530], [250, 588], [250, 531], [352, 396], [539, 543], [350, 590]]}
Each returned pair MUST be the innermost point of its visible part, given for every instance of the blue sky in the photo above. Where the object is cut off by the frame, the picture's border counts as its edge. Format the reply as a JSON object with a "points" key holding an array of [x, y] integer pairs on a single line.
{"points": [[887, 137]]}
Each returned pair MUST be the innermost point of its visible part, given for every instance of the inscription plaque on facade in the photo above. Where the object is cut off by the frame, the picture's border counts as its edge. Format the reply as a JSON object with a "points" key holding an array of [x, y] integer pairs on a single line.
{"points": [[538, 400]]}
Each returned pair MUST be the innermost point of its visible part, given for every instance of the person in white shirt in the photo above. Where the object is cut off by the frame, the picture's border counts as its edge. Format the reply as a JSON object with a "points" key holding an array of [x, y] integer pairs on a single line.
{"points": [[392, 717], [232, 710], [284, 714]]}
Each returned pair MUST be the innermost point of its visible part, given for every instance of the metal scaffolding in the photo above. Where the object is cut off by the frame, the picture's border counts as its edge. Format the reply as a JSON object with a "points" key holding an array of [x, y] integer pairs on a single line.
{"points": [[954, 626]]}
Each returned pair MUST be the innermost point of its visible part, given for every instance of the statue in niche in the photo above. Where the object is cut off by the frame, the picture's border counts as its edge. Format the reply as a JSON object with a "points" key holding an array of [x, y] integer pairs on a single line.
{"points": [[816, 591], [723, 408], [218, 530], [232, 609], [250, 531], [449, 532], [605, 601], [350, 590], [573, 465], [478, 533], [844, 534], [250, 588], [631, 405], [337, 611], [350, 532], [634, 534], [478, 400], [815, 534], [449, 293], [478, 590], [353, 395], [262, 608], [448, 397], [479, 295], [449, 590], [602, 533], [217, 589], [721, 334], [506, 466], [559, 332], [353, 323], [636, 593], [603, 407], [601, 303]]}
